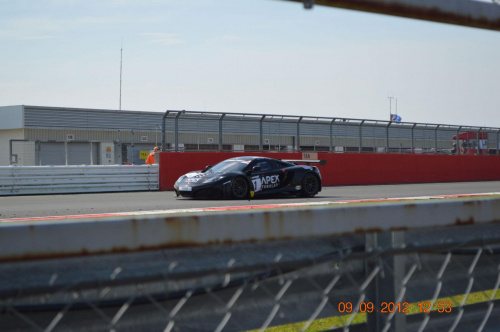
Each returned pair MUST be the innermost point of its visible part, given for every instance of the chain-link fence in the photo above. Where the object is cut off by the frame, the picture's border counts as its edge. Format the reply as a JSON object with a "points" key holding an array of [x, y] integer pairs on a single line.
{"points": [[403, 280]]}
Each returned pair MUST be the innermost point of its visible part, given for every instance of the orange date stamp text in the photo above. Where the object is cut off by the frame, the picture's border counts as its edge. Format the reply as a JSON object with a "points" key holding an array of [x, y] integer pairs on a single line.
{"points": [[398, 307]]}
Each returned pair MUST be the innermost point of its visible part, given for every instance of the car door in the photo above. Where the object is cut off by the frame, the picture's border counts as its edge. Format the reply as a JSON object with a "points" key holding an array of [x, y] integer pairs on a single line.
{"points": [[266, 177]]}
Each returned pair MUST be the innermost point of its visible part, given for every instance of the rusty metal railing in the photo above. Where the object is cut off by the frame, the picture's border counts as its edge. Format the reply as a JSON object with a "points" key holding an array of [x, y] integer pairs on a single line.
{"points": [[384, 267]]}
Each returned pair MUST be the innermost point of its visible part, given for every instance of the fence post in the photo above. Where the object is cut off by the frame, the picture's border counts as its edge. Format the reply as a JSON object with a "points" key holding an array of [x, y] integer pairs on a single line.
{"points": [[220, 131], [163, 126], [436, 139], [412, 145], [132, 148], [387, 137], [298, 133], [478, 152], [387, 284], [361, 136], [331, 135], [261, 133], [176, 132], [498, 142], [66, 152]]}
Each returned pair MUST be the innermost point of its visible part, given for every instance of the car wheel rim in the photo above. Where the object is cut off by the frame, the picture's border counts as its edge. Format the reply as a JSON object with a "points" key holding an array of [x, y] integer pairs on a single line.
{"points": [[311, 185], [239, 188]]}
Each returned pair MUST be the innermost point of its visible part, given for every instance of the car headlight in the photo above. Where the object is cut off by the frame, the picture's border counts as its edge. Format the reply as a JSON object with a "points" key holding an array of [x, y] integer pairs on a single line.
{"points": [[180, 179], [213, 179]]}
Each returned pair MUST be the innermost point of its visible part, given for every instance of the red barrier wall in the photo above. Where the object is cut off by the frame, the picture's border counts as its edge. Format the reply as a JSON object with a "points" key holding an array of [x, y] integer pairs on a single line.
{"points": [[353, 168]]}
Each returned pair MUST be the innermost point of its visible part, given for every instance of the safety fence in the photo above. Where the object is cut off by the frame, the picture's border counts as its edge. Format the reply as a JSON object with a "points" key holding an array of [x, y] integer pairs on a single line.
{"points": [[420, 266], [204, 131], [24, 180]]}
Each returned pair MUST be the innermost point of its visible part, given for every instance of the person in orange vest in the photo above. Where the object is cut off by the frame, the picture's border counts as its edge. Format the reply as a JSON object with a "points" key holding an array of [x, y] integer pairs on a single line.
{"points": [[151, 157]]}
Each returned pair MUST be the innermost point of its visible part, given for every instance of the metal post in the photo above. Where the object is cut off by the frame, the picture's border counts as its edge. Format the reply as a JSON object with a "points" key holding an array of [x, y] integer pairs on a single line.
{"points": [[91, 154], [412, 138], [66, 152], [361, 136], [331, 135], [131, 146], [436, 139], [163, 138], [156, 135], [458, 139], [176, 130], [220, 131], [279, 134], [261, 133], [10, 152], [298, 133], [478, 152], [498, 141], [387, 285], [387, 137]]}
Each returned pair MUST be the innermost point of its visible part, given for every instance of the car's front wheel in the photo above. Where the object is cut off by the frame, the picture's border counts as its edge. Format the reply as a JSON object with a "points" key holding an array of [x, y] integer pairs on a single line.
{"points": [[239, 188], [310, 185]]}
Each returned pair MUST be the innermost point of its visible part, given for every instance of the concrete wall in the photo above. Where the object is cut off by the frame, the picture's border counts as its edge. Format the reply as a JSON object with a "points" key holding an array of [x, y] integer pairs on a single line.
{"points": [[354, 168]]}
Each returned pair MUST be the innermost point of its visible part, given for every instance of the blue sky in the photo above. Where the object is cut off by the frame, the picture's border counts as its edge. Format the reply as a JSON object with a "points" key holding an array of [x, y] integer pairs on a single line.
{"points": [[252, 56]]}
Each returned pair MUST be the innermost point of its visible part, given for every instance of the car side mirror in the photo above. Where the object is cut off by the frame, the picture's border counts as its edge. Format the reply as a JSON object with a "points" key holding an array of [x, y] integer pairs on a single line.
{"points": [[207, 168]]}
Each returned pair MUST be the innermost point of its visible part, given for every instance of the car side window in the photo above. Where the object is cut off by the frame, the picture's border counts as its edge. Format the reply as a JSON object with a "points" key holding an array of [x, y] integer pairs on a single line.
{"points": [[264, 165], [280, 164]]}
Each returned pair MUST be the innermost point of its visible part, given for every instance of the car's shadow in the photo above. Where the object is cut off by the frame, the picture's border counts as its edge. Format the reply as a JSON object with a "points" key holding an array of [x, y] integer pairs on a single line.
{"points": [[275, 196]]}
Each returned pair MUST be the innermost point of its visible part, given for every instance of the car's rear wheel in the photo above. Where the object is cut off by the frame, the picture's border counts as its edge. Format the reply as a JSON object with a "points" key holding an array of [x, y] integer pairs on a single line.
{"points": [[239, 188], [310, 185]]}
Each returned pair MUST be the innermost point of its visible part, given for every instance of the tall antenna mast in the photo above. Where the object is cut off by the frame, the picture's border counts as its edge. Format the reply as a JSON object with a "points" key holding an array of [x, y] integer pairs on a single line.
{"points": [[121, 58]]}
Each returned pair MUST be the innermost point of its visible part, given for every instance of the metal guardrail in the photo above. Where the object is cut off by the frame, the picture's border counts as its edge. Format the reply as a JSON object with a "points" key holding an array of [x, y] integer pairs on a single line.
{"points": [[385, 267], [24, 180]]}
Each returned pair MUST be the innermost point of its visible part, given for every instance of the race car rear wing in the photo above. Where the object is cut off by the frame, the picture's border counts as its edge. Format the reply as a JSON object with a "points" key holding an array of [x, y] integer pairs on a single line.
{"points": [[305, 161]]}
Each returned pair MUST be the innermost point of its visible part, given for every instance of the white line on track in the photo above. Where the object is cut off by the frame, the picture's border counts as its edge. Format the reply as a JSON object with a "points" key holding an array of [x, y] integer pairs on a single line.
{"points": [[244, 207]]}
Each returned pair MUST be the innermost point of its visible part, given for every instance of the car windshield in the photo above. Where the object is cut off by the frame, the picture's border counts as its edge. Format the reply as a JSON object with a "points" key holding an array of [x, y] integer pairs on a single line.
{"points": [[230, 165]]}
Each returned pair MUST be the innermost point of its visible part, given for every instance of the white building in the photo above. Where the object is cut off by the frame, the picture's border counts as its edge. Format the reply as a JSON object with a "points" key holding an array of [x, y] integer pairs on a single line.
{"points": [[38, 135], [35, 135]]}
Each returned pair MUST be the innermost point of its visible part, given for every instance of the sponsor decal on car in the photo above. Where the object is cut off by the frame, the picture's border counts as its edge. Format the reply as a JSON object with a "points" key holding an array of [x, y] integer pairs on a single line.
{"points": [[261, 182]]}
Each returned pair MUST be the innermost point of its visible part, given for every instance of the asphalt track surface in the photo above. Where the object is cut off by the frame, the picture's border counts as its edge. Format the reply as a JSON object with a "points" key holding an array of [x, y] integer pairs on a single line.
{"points": [[80, 204]]}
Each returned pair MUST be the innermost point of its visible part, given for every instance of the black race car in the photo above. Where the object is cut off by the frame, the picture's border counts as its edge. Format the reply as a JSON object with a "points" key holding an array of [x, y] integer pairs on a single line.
{"points": [[246, 177]]}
